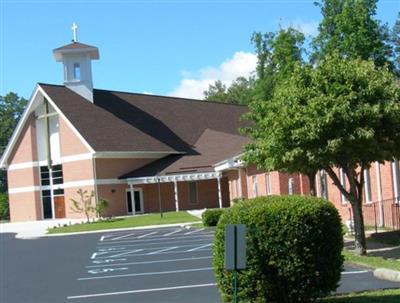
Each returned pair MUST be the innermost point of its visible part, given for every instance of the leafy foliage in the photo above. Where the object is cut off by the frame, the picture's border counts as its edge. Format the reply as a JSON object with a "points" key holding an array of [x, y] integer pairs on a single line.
{"points": [[11, 108], [396, 44], [240, 91], [211, 216], [288, 257], [350, 28], [277, 55], [4, 207], [87, 206], [343, 113]]}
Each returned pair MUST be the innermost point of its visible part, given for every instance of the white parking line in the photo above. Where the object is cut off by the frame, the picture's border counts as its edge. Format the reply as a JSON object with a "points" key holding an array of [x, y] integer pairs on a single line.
{"points": [[172, 232], [354, 272], [152, 243], [147, 273], [121, 237], [162, 250], [192, 232], [157, 238], [140, 291], [145, 235], [199, 247], [150, 262]]}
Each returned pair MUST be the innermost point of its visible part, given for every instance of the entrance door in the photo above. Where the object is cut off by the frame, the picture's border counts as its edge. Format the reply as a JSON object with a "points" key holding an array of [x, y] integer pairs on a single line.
{"points": [[59, 207], [138, 203]]}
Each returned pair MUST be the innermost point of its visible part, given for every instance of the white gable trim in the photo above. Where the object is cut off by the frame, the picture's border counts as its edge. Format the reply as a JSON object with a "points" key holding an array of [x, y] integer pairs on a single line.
{"points": [[76, 132], [18, 129], [24, 118]]}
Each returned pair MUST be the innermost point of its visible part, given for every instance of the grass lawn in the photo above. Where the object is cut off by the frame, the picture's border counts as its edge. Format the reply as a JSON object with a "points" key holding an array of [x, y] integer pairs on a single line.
{"points": [[380, 296], [370, 261], [134, 221]]}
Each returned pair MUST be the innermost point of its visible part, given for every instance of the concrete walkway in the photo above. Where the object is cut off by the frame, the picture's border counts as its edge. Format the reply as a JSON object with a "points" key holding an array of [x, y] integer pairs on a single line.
{"points": [[34, 229], [37, 229]]}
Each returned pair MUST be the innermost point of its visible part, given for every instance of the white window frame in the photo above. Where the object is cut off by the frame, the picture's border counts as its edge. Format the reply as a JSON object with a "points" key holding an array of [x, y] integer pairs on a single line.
{"points": [[255, 186], [76, 67], [268, 183], [323, 180], [290, 186], [367, 186], [342, 176], [396, 179], [128, 190]]}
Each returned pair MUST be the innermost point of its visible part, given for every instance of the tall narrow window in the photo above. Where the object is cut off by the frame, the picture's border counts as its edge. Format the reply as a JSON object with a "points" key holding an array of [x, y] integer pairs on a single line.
{"points": [[367, 186], [46, 204], [268, 183], [193, 192], [343, 183], [323, 184], [77, 71], [290, 186], [255, 187], [396, 179]]}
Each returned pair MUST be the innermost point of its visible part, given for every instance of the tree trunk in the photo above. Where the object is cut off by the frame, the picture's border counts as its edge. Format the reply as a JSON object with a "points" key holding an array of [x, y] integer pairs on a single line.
{"points": [[311, 180], [359, 232]]}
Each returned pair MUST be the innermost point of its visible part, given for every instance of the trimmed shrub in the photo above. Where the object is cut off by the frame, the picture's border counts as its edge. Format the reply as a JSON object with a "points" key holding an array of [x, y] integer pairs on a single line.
{"points": [[211, 216], [4, 208], [294, 249]]}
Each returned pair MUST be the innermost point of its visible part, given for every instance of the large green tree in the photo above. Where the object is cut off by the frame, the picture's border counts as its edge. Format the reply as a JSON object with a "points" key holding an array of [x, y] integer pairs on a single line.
{"points": [[344, 113], [396, 45], [277, 54], [11, 108], [241, 91], [350, 28]]}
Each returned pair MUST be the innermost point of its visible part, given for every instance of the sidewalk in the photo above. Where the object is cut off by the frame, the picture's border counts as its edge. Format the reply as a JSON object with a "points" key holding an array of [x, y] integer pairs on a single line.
{"points": [[385, 245], [34, 229]]}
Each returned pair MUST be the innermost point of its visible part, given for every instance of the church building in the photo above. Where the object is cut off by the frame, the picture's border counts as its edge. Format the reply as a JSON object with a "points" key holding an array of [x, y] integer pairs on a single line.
{"points": [[142, 152]]}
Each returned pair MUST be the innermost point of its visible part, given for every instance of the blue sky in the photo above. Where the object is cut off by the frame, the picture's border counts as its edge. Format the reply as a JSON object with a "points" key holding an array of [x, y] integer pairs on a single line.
{"points": [[161, 47]]}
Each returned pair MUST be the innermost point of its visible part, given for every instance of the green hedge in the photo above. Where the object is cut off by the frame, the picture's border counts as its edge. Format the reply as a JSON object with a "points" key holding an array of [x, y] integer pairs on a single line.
{"points": [[4, 208], [211, 216], [294, 249]]}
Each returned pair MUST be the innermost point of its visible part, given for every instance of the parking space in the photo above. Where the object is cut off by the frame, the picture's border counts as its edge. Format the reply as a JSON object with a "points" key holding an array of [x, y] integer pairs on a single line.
{"points": [[160, 265], [151, 265]]}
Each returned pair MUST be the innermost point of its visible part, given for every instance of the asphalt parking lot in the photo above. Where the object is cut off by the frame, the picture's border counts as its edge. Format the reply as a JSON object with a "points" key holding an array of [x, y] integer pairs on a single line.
{"points": [[151, 265]]}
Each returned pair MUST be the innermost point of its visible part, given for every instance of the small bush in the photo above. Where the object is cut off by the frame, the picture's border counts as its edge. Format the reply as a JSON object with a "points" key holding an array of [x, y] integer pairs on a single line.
{"points": [[211, 216], [4, 207], [294, 249]]}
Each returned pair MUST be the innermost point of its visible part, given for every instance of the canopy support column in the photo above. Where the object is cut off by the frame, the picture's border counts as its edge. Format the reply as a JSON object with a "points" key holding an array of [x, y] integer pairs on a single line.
{"points": [[219, 192], [176, 195], [132, 199]]}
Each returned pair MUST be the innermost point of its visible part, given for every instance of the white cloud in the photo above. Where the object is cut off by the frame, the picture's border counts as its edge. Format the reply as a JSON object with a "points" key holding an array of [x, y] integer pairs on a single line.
{"points": [[192, 86], [308, 28]]}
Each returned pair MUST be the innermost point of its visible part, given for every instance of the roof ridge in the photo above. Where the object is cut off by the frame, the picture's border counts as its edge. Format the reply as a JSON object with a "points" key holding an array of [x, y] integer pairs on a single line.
{"points": [[154, 95], [170, 97]]}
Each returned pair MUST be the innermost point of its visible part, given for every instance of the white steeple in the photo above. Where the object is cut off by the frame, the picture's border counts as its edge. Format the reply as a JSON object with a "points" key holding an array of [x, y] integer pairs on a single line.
{"points": [[76, 58]]}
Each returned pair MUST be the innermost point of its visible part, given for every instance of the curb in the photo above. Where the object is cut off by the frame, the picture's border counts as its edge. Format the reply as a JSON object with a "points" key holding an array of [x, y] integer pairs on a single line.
{"points": [[120, 229], [387, 274]]}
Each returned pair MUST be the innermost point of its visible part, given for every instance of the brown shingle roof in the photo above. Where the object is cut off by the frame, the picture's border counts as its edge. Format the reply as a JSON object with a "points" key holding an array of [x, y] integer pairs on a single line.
{"points": [[211, 147], [74, 45], [118, 121]]}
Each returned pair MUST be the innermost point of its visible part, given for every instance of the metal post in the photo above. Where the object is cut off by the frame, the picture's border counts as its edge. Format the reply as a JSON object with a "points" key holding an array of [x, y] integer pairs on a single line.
{"points": [[176, 195], [235, 286]]}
